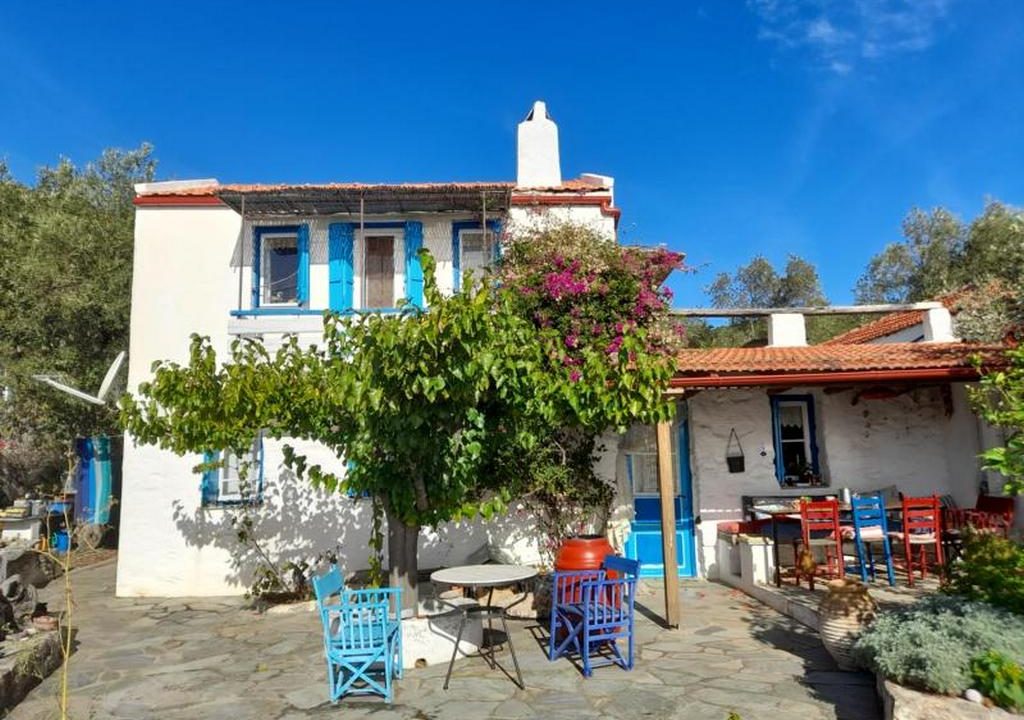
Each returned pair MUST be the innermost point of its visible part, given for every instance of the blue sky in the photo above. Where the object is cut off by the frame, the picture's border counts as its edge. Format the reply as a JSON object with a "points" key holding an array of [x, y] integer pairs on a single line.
{"points": [[732, 128]]}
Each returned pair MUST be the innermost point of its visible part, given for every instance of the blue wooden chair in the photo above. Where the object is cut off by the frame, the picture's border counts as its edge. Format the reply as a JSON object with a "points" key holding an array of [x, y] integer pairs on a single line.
{"points": [[870, 526], [591, 610], [362, 636]]}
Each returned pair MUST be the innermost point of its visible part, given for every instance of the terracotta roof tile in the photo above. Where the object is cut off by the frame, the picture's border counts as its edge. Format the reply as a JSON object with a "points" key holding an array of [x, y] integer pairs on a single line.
{"points": [[878, 328], [891, 323], [833, 358]]}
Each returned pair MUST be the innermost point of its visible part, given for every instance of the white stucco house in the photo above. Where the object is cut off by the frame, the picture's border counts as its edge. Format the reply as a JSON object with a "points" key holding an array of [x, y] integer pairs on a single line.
{"points": [[227, 261], [883, 406]]}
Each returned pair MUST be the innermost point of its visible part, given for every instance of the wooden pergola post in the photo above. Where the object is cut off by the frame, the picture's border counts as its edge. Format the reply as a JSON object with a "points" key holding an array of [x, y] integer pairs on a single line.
{"points": [[666, 491]]}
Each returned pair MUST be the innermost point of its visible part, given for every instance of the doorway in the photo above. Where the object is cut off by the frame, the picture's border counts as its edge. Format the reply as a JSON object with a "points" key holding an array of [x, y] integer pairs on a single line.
{"points": [[644, 542]]}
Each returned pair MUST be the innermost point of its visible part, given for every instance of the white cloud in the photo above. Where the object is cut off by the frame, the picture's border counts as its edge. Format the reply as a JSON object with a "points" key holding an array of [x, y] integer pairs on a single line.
{"points": [[844, 33]]}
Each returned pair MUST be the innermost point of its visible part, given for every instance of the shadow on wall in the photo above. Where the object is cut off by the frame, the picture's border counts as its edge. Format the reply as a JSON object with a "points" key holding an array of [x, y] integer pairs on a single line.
{"points": [[516, 539], [296, 522]]}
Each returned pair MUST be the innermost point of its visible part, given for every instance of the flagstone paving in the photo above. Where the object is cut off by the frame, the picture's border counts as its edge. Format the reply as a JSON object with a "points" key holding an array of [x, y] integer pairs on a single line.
{"points": [[213, 658]]}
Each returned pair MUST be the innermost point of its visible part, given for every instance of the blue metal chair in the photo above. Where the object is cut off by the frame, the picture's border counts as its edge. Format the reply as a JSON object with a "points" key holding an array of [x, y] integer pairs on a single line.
{"points": [[621, 565], [591, 611], [362, 636], [870, 526]]}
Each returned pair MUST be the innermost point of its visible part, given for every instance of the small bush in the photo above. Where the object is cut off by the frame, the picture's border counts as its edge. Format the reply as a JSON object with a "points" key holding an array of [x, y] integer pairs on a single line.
{"points": [[930, 645], [991, 569], [1000, 679]]}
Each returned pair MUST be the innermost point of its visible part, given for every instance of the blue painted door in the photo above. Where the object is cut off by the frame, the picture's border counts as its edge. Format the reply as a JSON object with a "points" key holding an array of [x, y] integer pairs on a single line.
{"points": [[644, 543]]}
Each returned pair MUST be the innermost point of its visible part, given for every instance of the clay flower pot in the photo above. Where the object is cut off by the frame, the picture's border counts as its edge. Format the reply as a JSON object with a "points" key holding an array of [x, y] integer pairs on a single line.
{"points": [[844, 612], [44, 622]]}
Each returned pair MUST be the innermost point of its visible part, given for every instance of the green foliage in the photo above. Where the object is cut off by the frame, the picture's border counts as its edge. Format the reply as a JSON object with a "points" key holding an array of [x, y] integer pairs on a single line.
{"points": [[600, 313], [928, 262], [930, 644], [990, 569], [599, 310], [759, 284], [999, 400], [941, 254], [559, 485], [408, 400], [1000, 679], [65, 292]]}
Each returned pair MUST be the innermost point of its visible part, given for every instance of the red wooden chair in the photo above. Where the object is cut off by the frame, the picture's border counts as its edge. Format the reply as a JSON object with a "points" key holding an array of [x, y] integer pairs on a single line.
{"points": [[922, 526], [991, 514], [819, 528]]}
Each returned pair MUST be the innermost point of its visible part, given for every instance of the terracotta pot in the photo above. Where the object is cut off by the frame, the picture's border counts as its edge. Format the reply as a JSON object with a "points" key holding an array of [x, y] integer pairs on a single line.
{"points": [[844, 612], [45, 622], [584, 552]]}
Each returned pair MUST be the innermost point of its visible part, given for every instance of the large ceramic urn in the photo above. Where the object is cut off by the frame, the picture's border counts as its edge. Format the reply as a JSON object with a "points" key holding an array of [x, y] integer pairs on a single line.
{"points": [[583, 552], [844, 612]]}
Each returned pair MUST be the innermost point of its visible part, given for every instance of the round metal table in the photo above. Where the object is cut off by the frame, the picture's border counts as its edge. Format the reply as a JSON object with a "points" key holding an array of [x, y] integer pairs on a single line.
{"points": [[489, 577]]}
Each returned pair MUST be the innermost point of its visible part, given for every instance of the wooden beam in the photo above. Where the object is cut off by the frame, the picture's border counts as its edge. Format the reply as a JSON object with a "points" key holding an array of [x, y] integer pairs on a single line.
{"points": [[817, 310], [666, 491]]}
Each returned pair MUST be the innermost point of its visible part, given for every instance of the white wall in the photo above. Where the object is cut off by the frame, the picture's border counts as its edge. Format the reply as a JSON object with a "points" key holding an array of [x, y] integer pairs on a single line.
{"points": [[186, 281], [541, 215], [181, 263]]}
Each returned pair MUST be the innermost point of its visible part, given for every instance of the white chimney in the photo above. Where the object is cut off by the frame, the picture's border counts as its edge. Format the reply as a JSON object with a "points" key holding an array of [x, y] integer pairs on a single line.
{"points": [[537, 162], [786, 330], [938, 325]]}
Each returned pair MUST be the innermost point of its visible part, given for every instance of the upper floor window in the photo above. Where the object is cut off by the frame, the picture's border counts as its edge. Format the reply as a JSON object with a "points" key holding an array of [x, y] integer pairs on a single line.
{"points": [[280, 268], [379, 272], [796, 447], [474, 249], [478, 249]]}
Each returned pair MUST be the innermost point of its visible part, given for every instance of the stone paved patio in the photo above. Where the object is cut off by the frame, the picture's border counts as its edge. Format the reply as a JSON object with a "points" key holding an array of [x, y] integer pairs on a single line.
{"points": [[206, 658]]}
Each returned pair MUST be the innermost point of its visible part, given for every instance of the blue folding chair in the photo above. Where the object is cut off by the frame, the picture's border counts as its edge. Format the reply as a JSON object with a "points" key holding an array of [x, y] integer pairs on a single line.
{"points": [[362, 636], [591, 611], [870, 526]]}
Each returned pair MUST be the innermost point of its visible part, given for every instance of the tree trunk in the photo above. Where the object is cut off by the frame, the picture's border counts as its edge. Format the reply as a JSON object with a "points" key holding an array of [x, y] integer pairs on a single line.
{"points": [[402, 562]]}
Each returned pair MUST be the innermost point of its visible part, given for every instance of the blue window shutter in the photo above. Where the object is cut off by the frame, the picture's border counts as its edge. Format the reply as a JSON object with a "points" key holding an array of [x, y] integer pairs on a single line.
{"points": [[302, 282], [456, 257], [256, 267], [413, 268], [340, 253], [210, 487]]}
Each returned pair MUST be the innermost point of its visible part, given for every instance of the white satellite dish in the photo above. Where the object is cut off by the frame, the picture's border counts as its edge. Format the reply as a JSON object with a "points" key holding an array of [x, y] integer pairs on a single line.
{"points": [[100, 398]]}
